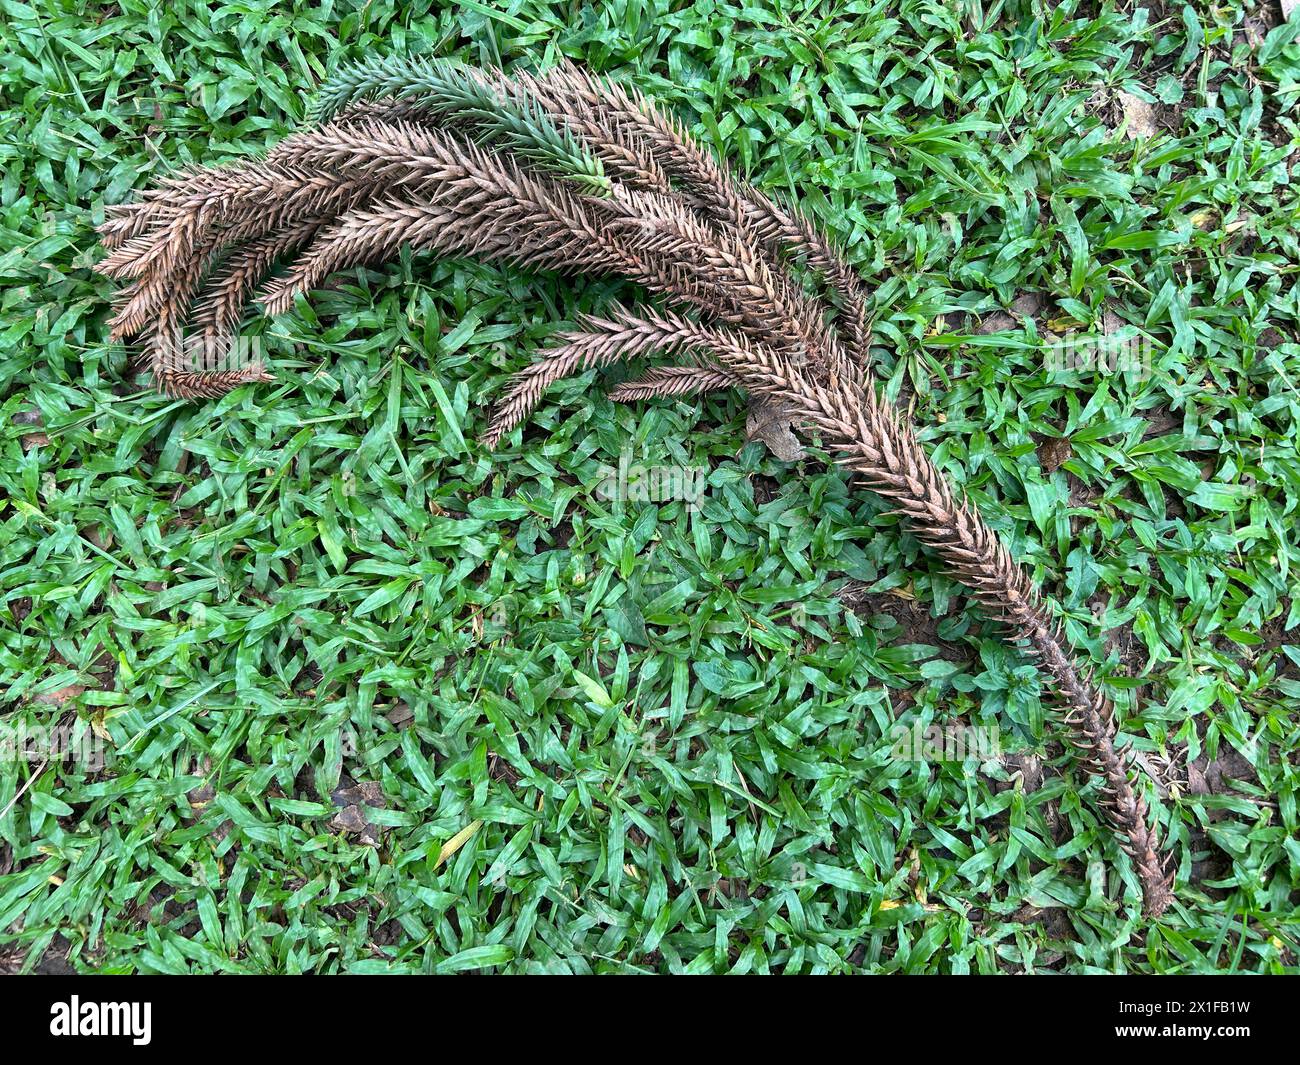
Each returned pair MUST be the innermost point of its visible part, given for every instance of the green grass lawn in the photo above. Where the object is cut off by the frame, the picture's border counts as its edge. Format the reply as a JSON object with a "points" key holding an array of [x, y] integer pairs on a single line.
{"points": [[370, 698]]}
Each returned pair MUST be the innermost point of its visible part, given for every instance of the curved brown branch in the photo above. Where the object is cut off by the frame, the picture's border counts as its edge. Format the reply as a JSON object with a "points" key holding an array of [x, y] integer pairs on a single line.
{"points": [[389, 174]]}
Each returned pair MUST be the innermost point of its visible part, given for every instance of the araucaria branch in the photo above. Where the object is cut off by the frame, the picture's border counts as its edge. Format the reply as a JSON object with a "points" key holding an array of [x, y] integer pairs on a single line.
{"points": [[563, 171]]}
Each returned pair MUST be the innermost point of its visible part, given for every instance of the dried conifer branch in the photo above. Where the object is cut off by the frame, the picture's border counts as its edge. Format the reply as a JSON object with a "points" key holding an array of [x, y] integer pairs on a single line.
{"points": [[766, 304], [223, 301], [630, 163], [627, 127], [465, 95], [674, 381], [564, 171], [601, 342], [636, 120], [490, 202]]}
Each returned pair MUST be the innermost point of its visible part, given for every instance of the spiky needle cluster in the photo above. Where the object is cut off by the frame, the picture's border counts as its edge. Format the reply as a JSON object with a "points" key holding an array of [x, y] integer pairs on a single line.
{"points": [[563, 171]]}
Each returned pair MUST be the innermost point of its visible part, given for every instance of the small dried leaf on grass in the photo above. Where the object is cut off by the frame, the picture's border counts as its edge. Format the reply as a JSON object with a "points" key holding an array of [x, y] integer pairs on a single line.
{"points": [[769, 423], [997, 322], [400, 716], [1054, 453], [1139, 116], [61, 696], [30, 418], [351, 818]]}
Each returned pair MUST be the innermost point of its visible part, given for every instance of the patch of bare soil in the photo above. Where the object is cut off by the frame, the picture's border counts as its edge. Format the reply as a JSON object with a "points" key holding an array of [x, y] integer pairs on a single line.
{"points": [[1121, 641], [1275, 633], [1210, 776], [1055, 923], [765, 488], [914, 618], [1160, 422], [54, 962], [1027, 769]]}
